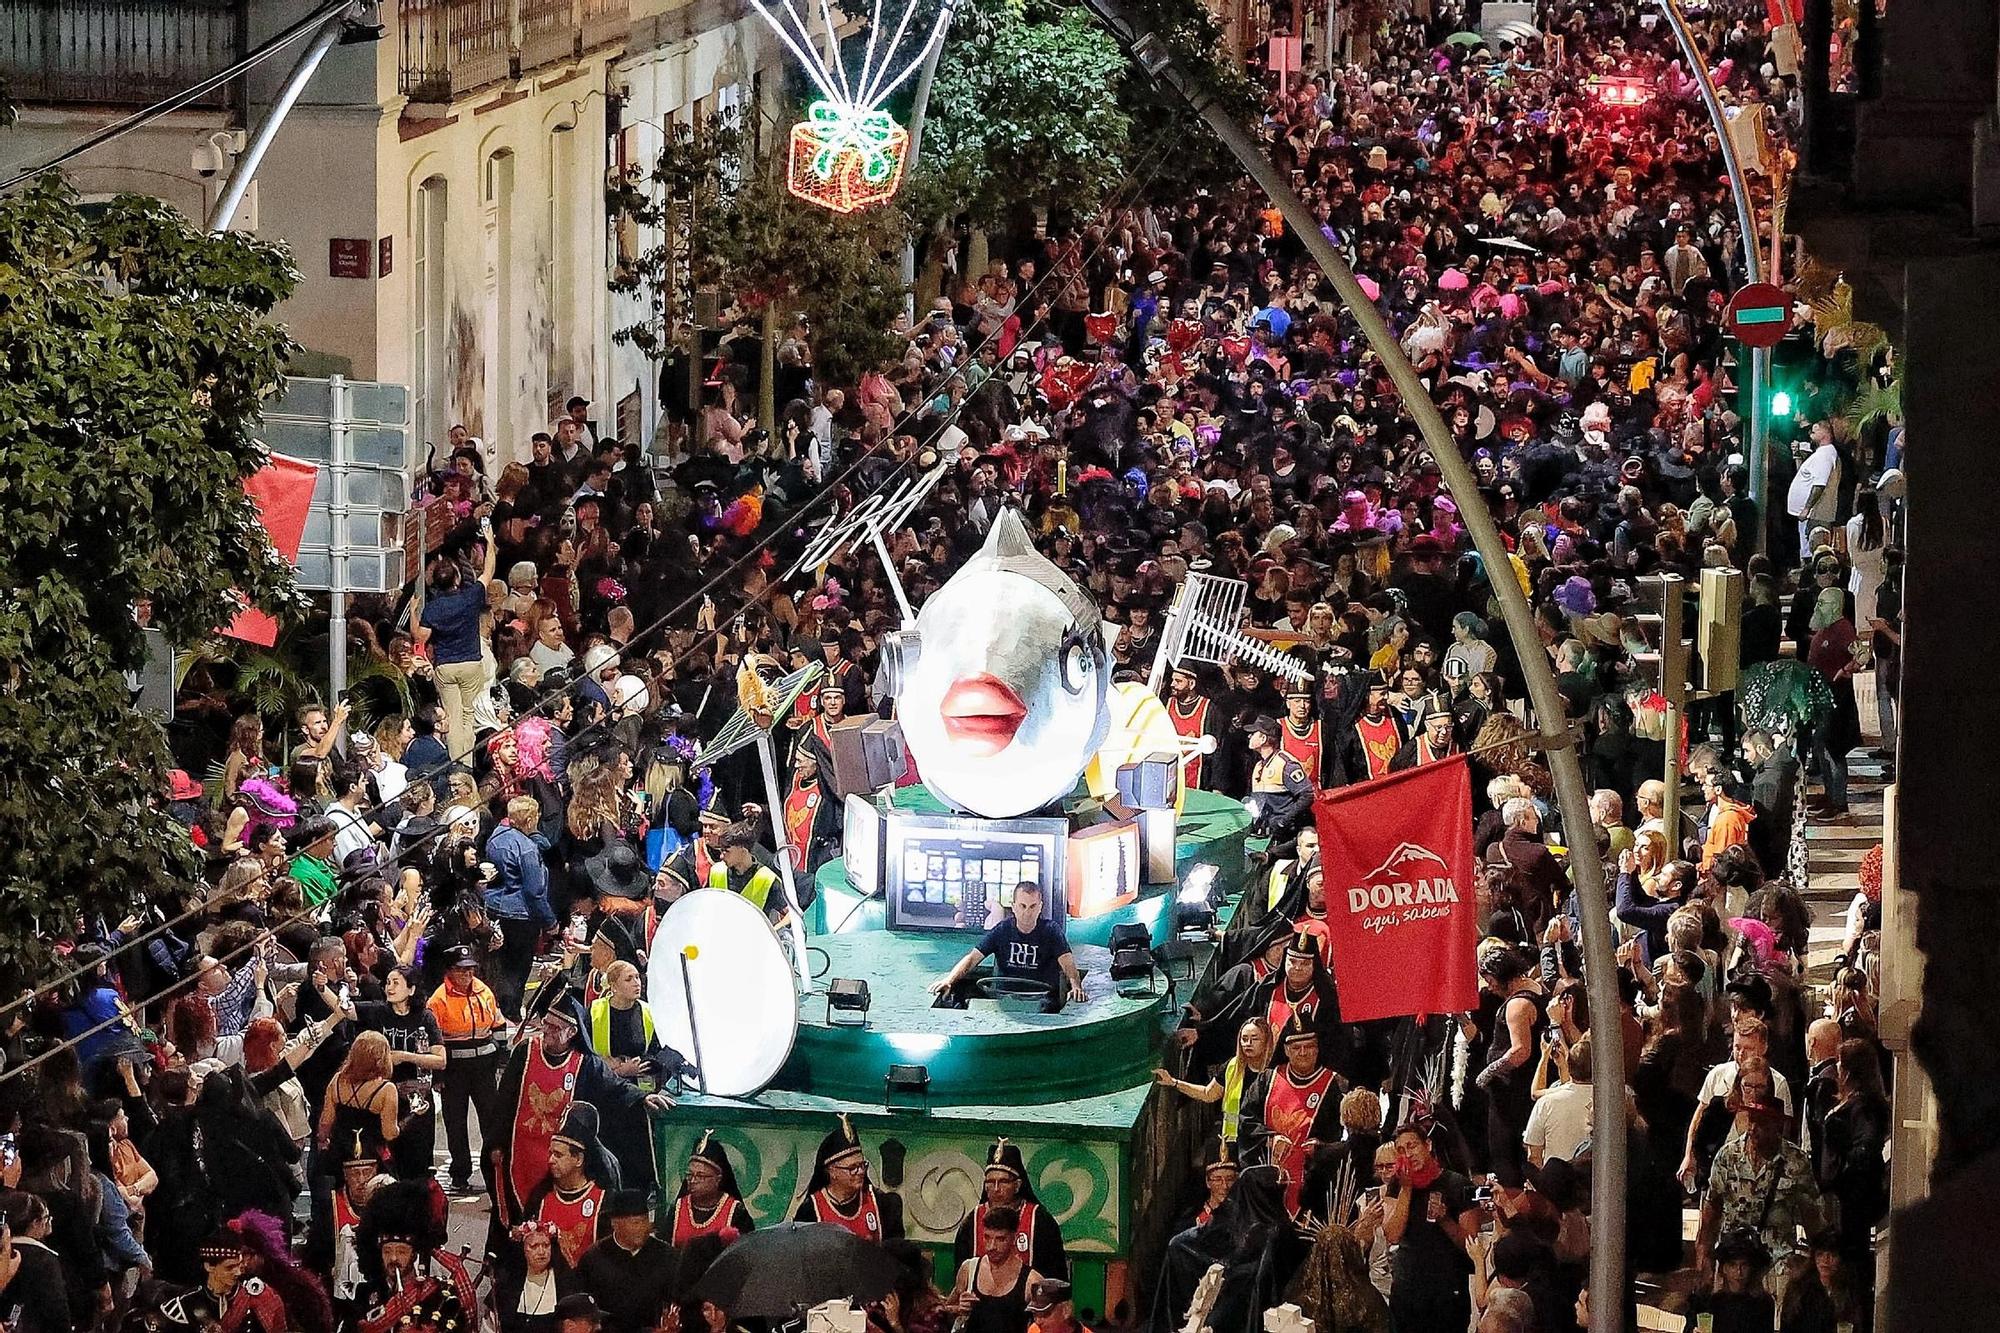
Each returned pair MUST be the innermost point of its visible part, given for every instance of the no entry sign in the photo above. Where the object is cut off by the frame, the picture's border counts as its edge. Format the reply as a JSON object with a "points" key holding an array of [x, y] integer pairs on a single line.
{"points": [[1759, 315]]}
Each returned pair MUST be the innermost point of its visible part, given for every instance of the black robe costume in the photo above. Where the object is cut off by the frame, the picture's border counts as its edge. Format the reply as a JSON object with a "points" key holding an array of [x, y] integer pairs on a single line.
{"points": [[1045, 1243], [1253, 1239]]}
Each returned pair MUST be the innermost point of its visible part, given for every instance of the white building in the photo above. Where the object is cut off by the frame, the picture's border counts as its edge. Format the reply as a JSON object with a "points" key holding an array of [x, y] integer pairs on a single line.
{"points": [[442, 188]]}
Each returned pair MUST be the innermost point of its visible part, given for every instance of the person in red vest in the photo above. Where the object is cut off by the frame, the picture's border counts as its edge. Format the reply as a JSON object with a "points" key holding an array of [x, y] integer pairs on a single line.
{"points": [[1194, 716], [1295, 1107], [710, 1202], [1300, 735], [812, 812], [1368, 744], [1433, 740], [839, 1192], [1038, 1239], [570, 1200]]}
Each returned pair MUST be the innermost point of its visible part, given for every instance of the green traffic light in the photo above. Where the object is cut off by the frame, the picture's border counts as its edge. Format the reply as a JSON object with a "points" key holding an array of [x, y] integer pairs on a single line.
{"points": [[1781, 404]]}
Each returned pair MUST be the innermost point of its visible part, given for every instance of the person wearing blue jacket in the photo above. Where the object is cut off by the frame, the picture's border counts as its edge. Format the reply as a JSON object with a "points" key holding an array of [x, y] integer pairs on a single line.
{"points": [[518, 898]]}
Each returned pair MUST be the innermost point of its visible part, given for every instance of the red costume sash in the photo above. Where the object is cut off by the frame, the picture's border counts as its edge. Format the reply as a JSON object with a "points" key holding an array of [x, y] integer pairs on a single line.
{"points": [[546, 1093], [1304, 748], [1289, 1109], [719, 1223], [574, 1219], [1280, 1012], [866, 1221], [1024, 1232], [801, 804], [1191, 725], [1379, 742]]}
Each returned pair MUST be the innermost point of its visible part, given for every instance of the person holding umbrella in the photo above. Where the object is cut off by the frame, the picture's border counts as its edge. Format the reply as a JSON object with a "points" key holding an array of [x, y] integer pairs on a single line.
{"points": [[1038, 1238], [992, 1288], [710, 1202], [839, 1191]]}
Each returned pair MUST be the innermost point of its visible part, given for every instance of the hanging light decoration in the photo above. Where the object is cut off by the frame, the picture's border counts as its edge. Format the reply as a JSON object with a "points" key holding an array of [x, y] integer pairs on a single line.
{"points": [[848, 153]]}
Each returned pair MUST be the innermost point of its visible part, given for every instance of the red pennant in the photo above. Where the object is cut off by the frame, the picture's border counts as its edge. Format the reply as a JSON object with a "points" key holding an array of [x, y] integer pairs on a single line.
{"points": [[283, 491], [1400, 905]]}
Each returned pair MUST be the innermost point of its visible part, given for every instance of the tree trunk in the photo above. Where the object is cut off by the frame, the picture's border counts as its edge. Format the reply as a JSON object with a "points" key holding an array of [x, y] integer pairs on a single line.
{"points": [[976, 253], [767, 371]]}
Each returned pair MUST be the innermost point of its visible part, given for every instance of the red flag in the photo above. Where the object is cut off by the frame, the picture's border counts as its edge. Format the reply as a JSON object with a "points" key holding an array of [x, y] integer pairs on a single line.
{"points": [[1400, 892], [283, 491]]}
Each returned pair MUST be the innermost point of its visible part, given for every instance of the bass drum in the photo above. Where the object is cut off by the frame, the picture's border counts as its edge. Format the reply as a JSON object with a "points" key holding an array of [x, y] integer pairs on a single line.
{"points": [[722, 992]]}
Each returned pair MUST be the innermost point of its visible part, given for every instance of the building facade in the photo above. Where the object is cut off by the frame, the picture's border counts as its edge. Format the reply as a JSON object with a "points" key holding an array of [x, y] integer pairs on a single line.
{"points": [[441, 186]]}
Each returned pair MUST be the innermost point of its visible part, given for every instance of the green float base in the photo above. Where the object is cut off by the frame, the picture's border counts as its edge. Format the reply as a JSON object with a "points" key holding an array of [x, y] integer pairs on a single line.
{"points": [[1072, 1088]]}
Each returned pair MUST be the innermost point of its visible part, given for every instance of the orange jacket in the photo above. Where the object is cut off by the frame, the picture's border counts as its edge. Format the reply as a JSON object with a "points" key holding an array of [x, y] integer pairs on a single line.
{"points": [[1730, 826]]}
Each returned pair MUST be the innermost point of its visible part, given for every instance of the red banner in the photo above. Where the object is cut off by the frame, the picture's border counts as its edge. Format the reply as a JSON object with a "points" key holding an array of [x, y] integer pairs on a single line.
{"points": [[1399, 892], [283, 491]]}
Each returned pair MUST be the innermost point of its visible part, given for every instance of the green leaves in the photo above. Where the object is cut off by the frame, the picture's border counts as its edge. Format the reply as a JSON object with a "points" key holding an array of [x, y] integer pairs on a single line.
{"points": [[134, 351]]}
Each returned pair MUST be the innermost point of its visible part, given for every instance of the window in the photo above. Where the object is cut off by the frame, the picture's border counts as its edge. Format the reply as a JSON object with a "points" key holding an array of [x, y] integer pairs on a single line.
{"points": [[429, 319]]}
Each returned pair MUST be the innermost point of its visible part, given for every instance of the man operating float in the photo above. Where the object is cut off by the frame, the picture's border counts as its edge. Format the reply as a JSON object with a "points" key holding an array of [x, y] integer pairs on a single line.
{"points": [[1025, 947]]}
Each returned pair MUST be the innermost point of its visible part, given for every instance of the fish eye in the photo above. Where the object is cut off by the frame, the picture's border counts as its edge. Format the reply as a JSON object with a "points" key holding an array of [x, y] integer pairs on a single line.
{"points": [[1078, 658]]}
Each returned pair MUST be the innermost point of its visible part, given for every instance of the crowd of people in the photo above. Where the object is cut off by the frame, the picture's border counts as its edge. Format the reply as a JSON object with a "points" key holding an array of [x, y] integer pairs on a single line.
{"points": [[415, 971]]}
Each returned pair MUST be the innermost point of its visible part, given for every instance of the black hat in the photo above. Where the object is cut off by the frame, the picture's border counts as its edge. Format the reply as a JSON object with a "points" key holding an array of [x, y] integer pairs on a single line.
{"points": [[1046, 1294], [840, 1146], [223, 1244], [1267, 726], [1516, 1256], [411, 1212], [579, 1127], [615, 932], [460, 955], [709, 1149], [1302, 944], [1298, 689], [619, 871], [1184, 668], [1754, 989], [355, 1153], [712, 809], [1298, 1028], [627, 1203], [1005, 1156], [1742, 1243], [580, 1305], [1221, 1156]]}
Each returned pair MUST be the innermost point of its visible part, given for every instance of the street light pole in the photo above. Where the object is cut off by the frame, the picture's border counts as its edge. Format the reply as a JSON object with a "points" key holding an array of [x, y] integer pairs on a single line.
{"points": [[1757, 428], [230, 198], [1556, 738]]}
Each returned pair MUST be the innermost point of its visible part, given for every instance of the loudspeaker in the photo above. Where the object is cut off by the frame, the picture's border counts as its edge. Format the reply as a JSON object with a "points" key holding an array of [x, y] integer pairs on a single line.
{"points": [[883, 753], [850, 767], [1158, 830]]}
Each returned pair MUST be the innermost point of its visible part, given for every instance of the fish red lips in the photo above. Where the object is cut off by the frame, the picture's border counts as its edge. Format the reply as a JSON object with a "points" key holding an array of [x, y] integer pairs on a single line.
{"points": [[981, 714]]}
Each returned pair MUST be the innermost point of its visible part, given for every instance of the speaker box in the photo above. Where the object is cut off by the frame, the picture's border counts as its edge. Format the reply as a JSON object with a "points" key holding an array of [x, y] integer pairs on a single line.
{"points": [[1148, 784]]}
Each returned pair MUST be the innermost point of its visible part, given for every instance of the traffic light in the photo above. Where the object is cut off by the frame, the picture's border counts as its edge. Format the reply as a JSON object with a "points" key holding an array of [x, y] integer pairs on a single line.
{"points": [[1781, 405]]}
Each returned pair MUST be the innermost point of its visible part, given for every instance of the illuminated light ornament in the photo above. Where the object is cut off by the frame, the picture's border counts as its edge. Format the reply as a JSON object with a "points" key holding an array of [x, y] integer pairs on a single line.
{"points": [[845, 159], [848, 153]]}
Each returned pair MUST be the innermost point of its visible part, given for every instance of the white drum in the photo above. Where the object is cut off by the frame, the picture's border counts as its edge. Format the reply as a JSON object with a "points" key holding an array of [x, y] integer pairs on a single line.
{"points": [[733, 1008]]}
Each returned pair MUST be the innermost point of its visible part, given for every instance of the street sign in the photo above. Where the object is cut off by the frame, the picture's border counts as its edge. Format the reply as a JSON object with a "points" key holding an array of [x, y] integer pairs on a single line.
{"points": [[1759, 315]]}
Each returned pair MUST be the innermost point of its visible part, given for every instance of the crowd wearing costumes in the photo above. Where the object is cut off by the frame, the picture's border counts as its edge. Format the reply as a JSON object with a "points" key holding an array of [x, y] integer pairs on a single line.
{"points": [[443, 914]]}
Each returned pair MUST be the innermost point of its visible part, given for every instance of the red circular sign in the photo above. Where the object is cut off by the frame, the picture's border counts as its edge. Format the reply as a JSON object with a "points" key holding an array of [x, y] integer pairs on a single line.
{"points": [[1759, 315]]}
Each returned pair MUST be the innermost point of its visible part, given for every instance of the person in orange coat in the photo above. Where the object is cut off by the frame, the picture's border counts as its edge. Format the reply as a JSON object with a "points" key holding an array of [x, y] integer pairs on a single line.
{"points": [[1729, 814]]}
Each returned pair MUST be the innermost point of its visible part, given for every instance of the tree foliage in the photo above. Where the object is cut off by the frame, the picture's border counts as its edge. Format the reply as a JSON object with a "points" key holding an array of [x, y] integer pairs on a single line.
{"points": [[136, 350], [720, 214], [1020, 115]]}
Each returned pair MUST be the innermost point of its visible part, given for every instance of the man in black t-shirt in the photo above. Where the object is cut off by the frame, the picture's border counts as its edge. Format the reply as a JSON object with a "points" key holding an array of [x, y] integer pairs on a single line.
{"points": [[1427, 1216], [1023, 946]]}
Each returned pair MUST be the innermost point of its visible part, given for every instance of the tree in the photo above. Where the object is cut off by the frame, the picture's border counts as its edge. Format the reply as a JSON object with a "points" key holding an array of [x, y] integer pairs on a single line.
{"points": [[136, 349], [1019, 116], [721, 214]]}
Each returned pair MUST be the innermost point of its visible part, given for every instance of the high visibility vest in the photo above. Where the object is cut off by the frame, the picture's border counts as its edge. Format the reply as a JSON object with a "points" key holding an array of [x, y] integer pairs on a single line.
{"points": [[600, 1025], [757, 889]]}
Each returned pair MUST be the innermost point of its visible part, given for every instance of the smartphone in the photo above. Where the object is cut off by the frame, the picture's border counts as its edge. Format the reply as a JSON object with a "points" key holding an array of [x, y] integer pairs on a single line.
{"points": [[10, 1153]]}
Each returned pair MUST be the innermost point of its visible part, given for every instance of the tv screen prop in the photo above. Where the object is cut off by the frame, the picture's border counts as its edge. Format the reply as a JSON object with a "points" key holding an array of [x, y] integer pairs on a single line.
{"points": [[861, 845], [950, 872], [1148, 784], [1104, 869]]}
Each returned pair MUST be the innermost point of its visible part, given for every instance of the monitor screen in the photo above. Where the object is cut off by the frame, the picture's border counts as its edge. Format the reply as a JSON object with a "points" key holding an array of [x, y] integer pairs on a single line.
{"points": [[1104, 868], [947, 872], [861, 844]]}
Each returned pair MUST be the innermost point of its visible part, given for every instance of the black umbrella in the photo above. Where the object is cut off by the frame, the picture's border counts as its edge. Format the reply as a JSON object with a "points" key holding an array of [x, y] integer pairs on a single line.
{"points": [[775, 1272]]}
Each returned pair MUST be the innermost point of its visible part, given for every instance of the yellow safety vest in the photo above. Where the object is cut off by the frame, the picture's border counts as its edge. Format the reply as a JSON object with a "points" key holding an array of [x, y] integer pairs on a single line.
{"points": [[757, 889], [1232, 1098], [600, 1026]]}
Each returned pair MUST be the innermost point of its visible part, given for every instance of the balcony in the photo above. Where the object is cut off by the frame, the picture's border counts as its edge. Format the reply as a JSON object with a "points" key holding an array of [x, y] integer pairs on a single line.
{"points": [[452, 47], [119, 52]]}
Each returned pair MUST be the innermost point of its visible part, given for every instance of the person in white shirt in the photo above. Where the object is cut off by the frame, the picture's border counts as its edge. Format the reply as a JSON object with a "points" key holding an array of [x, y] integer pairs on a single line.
{"points": [[1814, 496], [820, 451], [1559, 1124]]}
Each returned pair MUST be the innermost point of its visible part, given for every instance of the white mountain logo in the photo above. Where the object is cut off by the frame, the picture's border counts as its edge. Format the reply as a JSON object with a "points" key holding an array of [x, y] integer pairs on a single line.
{"points": [[1413, 876]]}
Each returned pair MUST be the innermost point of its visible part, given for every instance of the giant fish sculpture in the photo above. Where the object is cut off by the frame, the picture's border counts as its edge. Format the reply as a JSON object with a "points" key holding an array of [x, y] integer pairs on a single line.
{"points": [[1001, 691]]}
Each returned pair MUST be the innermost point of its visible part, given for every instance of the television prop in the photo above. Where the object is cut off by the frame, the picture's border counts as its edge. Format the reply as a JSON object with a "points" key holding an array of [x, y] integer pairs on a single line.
{"points": [[945, 872], [1105, 868]]}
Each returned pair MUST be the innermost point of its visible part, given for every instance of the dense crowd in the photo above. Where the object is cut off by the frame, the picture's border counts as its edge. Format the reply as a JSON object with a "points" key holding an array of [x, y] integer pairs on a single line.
{"points": [[416, 967]]}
